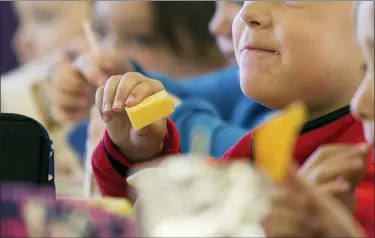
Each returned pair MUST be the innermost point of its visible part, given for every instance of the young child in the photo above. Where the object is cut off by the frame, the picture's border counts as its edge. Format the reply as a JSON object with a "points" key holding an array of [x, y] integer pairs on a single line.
{"points": [[281, 60], [363, 101], [47, 30], [206, 123], [47, 26], [201, 112], [153, 42]]}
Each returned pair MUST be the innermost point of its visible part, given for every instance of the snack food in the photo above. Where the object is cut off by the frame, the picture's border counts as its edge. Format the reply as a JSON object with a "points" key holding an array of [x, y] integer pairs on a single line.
{"points": [[274, 141], [150, 110]]}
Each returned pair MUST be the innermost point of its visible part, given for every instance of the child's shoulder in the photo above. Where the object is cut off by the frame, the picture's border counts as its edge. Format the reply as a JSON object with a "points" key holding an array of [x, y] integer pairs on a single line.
{"points": [[345, 129]]}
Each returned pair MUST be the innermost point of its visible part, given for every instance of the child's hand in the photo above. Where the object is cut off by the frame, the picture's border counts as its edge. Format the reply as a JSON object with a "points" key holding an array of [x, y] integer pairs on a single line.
{"points": [[97, 67], [336, 169], [129, 90], [336, 220], [96, 126], [74, 80], [70, 94], [98, 64], [293, 211]]}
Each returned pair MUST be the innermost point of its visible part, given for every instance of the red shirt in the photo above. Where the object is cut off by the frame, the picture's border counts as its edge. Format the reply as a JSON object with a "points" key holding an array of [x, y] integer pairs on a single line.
{"points": [[110, 168]]}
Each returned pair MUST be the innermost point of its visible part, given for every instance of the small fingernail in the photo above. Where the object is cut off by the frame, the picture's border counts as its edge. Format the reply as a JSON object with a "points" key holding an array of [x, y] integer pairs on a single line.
{"points": [[130, 100], [362, 147], [109, 65], [107, 107], [106, 117], [117, 105], [345, 186], [357, 163], [343, 183]]}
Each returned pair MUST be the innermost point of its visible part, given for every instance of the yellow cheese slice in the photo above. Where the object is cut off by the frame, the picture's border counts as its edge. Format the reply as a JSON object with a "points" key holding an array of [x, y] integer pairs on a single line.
{"points": [[150, 110], [120, 207], [275, 140]]}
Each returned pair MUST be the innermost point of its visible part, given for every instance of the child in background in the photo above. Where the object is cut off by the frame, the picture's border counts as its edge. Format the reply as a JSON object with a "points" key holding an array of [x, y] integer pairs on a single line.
{"points": [[46, 26], [363, 101], [280, 61], [153, 42], [362, 106], [48, 31], [206, 123], [201, 112], [186, 49]]}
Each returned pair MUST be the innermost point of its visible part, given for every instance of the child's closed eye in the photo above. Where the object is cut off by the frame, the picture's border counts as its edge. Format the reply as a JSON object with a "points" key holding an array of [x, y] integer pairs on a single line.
{"points": [[240, 3], [99, 29], [294, 4], [138, 39], [44, 16]]}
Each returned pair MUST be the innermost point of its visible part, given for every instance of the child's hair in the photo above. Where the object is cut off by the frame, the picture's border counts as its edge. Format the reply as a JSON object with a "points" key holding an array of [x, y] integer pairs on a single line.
{"points": [[355, 11], [189, 18]]}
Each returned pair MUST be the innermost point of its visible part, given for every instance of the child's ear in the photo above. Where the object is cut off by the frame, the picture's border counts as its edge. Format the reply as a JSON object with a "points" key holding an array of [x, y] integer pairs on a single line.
{"points": [[139, 177]]}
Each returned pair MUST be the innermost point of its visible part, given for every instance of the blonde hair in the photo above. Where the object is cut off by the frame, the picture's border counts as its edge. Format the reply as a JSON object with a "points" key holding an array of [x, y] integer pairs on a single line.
{"points": [[357, 5]]}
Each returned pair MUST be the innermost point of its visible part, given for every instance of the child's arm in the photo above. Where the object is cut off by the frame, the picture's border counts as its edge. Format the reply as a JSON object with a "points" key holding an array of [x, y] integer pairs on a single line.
{"points": [[364, 211], [111, 169], [212, 87]]}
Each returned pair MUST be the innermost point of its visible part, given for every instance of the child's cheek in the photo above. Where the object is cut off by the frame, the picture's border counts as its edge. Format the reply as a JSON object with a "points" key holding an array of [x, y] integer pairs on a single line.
{"points": [[237, 32]]}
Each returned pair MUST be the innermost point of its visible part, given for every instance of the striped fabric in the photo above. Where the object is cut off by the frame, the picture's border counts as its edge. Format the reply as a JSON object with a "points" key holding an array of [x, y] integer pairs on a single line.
{"points": [[34, 212]]}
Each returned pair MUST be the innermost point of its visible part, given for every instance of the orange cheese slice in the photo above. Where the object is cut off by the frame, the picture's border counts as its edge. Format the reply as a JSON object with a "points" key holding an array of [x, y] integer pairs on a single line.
{"points": [[275, 140]]}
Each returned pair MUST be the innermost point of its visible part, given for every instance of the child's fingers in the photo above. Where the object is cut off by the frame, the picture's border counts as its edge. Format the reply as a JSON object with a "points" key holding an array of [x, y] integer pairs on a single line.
{"points": [[65, 100], [109, 93], [293, 180], [88, 67], [334, 187], [329, 151], [99, 100], [290, 197], [128, 82], [91, 38], [142, 90], [66, 77], [285, 222], [337, 167], [138, 93]]}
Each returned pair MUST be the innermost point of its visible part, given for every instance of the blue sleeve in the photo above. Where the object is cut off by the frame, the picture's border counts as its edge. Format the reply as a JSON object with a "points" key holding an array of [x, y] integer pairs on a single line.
{"points": [[221, 88], [201, 129], [77, 139]]}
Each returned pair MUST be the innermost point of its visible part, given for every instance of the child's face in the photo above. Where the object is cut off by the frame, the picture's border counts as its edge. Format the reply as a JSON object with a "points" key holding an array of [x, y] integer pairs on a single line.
{"points": [[297, 50], [221, 26], [127, 27], [46, 26], [363, 101]]}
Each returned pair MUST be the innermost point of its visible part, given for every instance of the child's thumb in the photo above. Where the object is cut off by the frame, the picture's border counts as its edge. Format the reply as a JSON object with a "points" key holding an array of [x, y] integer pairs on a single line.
{"points": [[108, 61], [293, 178]]}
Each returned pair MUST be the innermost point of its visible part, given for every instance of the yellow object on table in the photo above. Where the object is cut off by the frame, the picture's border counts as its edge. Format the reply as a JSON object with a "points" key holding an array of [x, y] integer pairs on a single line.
{"points": [[275, 140], [117, 206], [150, 110]]}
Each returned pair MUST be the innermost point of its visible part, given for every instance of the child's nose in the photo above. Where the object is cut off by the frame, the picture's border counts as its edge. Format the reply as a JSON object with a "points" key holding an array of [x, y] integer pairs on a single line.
{"points": [[362, 104], [256, 14]]}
